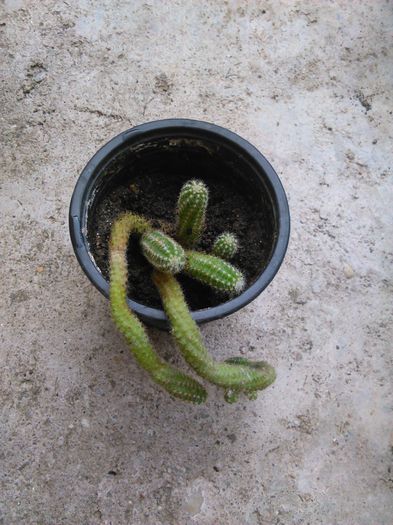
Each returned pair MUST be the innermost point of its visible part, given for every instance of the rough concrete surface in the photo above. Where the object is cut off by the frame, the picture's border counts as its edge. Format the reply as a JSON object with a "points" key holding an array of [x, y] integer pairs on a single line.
{"points": [[85, 438]]}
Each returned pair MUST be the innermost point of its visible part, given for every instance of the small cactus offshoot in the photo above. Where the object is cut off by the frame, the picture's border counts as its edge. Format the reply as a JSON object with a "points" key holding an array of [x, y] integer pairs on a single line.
{"points": [[225, 246], [191, 212], [163, 252], [235, 375]]}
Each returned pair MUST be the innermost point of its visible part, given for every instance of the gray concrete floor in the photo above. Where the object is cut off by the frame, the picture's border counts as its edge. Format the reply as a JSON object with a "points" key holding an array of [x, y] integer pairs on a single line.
{"points": [[85, 437]]}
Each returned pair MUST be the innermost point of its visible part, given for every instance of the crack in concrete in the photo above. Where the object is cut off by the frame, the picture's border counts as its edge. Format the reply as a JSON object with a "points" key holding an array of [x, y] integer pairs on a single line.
{"points": [[97, 112]]}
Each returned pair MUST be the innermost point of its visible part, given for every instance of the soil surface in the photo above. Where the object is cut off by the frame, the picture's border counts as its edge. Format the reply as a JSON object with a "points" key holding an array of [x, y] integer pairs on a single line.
{"points": [[155, 196]]}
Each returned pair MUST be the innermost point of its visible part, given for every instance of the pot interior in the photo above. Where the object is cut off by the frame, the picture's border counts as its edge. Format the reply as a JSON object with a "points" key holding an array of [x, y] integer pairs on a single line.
{"points": [[145, 177]]}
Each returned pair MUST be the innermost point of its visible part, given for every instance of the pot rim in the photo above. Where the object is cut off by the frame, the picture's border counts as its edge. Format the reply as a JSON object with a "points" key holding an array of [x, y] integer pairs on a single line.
{"points": [[78, 209]]}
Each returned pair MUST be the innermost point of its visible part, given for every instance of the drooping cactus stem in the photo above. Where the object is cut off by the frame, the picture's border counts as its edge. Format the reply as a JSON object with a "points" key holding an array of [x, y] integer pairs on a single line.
{"points": [[225, 246], [163, 252], [174, 381], [236, 375], [215, 272], [191, 212]]}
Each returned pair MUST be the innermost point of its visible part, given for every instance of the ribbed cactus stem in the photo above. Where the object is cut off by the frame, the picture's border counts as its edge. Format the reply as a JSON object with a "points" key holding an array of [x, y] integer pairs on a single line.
{"points": [[191, 212], [236, 375], [225, 246], [215, 272], [172, 380], [163, 252]]}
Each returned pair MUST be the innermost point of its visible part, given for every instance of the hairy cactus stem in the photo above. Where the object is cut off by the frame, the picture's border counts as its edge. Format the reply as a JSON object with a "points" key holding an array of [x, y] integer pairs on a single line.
{"points": [[214, 272], [175, 382], [236, 375], [163, 252], [191, 212]]}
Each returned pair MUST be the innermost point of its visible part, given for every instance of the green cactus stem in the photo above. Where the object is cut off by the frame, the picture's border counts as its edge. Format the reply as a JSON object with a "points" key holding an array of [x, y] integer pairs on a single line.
{"points": [[225, 246], [171, 379], [215, 272], [163, 252], [236, 375], [191, 212]]}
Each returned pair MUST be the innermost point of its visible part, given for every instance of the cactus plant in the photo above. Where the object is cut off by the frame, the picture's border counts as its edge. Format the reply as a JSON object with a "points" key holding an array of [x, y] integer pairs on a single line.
{"points": [[225, 246], [191, 212], [168, 257]]}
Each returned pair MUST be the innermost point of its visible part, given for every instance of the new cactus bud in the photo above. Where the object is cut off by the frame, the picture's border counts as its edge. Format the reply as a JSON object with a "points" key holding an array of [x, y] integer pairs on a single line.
{"points": [[225, 246], [163, 252], [191, 212], [215, 272]]}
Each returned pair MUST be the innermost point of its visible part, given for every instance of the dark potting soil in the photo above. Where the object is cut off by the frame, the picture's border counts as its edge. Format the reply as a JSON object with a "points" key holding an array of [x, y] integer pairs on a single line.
{"points": [[154, 196]]}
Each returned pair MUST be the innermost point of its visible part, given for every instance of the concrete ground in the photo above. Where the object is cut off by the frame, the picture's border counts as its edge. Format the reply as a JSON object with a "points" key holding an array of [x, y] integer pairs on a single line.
{"points": [[85, 437]]}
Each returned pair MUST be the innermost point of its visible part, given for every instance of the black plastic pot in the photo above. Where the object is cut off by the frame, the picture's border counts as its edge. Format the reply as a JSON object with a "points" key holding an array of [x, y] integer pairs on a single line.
{"points": [[242, 160]]}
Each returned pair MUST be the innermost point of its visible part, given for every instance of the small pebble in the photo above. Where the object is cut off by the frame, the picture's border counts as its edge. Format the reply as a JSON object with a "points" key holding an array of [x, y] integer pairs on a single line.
{"points": [[323, 214], [85, 422], [348, 271], [194, 503], [39, 76], [39, 269]]}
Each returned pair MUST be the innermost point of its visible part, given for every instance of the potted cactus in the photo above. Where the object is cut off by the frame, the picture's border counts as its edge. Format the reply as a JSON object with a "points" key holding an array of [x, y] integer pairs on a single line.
{"points": [[144, 234], [169, 257]]}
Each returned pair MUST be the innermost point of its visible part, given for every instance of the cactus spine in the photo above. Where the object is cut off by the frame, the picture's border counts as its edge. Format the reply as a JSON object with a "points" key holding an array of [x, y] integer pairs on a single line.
{"points": [[215, 272], [191, 212], [163, 252], [236, 375], [225, 246], [174, 381]]}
